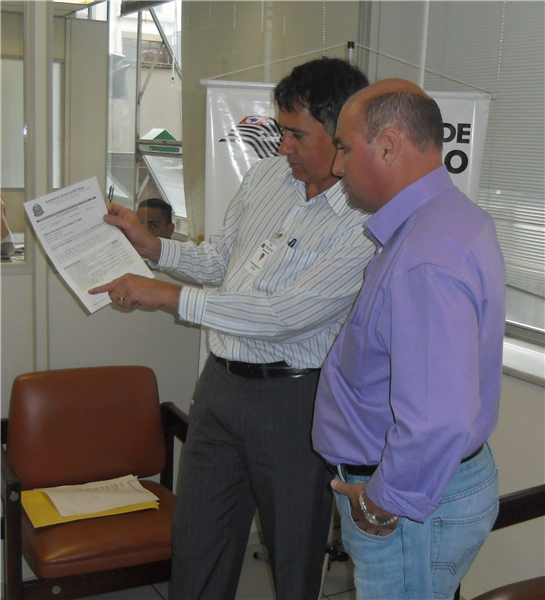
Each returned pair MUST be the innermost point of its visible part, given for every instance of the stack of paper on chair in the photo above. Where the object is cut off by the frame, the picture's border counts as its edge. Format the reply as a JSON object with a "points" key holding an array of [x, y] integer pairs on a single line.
{"points": [[50, 506]]}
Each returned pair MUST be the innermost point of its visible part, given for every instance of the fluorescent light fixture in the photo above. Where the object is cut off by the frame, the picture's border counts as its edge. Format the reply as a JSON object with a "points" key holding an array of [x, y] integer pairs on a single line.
{"points": [[131, 6]]}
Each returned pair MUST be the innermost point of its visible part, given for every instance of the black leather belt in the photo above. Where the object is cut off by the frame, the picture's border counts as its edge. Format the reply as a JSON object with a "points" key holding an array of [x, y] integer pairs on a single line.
{"points": [[473, 454], [359, 470], [368, 470], [261, 370]]}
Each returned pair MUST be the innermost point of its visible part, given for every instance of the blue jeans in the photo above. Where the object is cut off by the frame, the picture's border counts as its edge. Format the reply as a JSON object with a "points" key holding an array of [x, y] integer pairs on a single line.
{"points": [[421, 561]]}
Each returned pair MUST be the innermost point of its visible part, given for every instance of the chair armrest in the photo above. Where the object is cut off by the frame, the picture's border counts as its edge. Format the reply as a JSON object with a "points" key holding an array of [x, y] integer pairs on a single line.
{"points": [[4, 430], [10, 481], [11, 534], [521, 506], [175, 419], [175, 424]]}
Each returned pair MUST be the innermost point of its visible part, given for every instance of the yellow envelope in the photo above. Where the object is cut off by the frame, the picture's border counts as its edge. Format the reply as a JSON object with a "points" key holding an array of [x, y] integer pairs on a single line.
{"points": [[42, 512]]}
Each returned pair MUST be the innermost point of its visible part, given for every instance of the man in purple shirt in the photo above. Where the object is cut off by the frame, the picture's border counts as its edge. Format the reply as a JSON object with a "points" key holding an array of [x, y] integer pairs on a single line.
{"points": [[409, 393]]}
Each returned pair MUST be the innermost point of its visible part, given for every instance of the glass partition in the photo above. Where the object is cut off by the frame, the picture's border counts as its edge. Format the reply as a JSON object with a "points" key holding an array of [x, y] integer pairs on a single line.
{"points": [[12, 172], [13, 120], [12, 169], [144, 102], [145, 105]]}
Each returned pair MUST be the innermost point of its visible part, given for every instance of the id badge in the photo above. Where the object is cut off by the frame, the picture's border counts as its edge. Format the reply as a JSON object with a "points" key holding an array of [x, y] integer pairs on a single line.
{"points": [[260, 257]]}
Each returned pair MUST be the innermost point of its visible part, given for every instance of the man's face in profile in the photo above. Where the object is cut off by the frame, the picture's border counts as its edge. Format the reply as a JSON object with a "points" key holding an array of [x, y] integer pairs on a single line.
{"points": [[155, 222], [309, 148]]}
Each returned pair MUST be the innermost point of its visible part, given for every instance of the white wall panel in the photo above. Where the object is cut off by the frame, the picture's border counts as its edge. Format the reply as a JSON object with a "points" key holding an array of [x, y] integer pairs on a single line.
{"points": [[516, 552], [17, 328], [115, 336]]}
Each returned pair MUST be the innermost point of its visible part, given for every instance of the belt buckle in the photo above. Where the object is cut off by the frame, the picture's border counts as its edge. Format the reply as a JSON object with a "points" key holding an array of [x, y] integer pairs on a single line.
{"points": [[227, 366]]}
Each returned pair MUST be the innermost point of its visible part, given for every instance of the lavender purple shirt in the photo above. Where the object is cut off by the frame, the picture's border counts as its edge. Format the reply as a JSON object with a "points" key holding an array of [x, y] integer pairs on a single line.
{"points": [[412, 382]]}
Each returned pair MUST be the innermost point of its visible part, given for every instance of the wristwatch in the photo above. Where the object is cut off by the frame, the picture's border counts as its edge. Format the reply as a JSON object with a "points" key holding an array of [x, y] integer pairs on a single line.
{"points": [[371, 517]]}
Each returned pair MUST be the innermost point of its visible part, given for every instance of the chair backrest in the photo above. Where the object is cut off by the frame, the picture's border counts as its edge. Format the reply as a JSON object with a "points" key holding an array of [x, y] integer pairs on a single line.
{"points": [[73, 426]]}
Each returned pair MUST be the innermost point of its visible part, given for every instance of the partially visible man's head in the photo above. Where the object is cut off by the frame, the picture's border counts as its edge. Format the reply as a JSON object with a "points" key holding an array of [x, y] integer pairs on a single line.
{"points": [[414, 113], [156, 215], [388, 136], [322, 86], [309, 100]]}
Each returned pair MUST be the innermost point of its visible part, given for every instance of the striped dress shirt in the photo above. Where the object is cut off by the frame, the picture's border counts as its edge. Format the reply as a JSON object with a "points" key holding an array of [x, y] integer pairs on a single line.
{"points": [[293, 308]]}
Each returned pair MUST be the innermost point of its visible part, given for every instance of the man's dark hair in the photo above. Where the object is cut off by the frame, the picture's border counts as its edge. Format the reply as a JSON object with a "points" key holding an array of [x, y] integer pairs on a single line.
{"points": [[159, 203], [322, 86], [418, 116]]}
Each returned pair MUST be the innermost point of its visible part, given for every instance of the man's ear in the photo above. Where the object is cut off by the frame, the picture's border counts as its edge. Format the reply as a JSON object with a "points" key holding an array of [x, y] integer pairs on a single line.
{"points": [[170, 228], [390, 145]]}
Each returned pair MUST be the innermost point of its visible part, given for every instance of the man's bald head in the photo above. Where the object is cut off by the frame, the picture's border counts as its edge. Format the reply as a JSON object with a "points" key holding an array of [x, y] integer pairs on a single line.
{"points": [[403, 105], [388, 136]]}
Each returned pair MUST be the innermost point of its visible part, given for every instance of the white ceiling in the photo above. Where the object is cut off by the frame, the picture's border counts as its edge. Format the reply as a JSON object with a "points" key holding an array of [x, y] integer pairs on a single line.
{"points": [[61, 9]]}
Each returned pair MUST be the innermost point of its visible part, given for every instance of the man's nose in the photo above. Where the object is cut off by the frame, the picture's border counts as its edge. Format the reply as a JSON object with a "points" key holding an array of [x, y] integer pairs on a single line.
{"points": [[338, 164], [286, 147]]}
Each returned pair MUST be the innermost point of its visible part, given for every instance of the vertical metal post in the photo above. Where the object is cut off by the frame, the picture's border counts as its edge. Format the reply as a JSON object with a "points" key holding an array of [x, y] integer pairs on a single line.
{"points": [[350, 52], [137, 100], [422, 76], [38, 69]]}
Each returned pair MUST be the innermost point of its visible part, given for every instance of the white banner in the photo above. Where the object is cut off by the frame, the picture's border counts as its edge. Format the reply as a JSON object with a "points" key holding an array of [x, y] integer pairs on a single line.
{"points": [[239, 116], [241, 129], [465, 118]]}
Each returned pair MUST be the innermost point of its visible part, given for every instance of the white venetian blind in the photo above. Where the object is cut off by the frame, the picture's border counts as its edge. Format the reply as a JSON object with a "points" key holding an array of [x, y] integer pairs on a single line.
{"points": [[499, 46]]}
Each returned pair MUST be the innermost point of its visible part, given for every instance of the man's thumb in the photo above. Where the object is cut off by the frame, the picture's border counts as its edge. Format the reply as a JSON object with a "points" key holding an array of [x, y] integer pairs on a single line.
{"points": [[340, 487]]}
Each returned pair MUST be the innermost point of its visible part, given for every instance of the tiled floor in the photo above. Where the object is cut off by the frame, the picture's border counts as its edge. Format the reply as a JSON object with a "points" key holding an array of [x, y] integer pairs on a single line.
{"points": [[255, 583]]}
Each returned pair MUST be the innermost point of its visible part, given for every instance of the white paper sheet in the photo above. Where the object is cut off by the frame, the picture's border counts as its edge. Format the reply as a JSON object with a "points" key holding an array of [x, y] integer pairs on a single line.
{"points": [[97, 496], [86, 251]]}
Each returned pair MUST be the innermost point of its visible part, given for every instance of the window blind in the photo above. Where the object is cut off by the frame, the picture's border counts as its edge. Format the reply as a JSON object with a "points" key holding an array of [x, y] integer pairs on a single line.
{"points": [[499, 46]]}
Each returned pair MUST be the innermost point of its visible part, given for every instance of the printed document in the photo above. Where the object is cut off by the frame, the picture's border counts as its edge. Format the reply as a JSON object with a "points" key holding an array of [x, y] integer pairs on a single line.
{"points": [[86, 251], [93, 497]]}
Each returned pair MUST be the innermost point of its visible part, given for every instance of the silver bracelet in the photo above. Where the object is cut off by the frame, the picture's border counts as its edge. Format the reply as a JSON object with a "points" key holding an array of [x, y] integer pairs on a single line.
{"points": [[371, 517]]}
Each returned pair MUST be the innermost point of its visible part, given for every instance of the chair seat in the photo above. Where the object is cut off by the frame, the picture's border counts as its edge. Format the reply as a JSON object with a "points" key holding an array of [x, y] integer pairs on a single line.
{"points": [[530, 589], [102, 543]]}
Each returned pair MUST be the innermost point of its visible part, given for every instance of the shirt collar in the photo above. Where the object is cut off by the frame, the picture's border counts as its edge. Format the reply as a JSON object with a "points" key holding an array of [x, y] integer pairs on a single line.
{"points": [[334, 196], [385, 222]]}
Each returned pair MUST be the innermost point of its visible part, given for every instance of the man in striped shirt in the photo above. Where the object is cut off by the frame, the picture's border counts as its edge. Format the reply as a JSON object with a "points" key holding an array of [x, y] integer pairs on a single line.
{"points": [[288, 265]]}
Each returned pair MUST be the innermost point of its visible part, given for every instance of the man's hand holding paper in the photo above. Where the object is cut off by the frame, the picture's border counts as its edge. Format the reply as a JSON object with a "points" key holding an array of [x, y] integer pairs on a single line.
{"points": [[87, 252], [132, 291], [144, 242]]}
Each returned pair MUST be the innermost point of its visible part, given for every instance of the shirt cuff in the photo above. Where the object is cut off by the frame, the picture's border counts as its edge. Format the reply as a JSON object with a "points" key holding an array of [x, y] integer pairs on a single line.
{"points": [[191, 304], [171, 253], [416, 506]]}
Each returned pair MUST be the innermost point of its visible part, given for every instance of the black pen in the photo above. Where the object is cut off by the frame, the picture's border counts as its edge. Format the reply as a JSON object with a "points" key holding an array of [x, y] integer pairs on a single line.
{"points": [[111, 193], [292, 242]]}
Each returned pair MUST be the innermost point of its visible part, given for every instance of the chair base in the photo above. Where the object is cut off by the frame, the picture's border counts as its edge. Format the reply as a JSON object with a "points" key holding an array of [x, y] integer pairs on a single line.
{"points": [[91, 584]]}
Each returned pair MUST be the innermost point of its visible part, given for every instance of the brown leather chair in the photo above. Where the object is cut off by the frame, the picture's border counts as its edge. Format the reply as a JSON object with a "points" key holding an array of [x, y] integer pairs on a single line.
{"points": [[530, 589], [515, 508], [74, 426]]}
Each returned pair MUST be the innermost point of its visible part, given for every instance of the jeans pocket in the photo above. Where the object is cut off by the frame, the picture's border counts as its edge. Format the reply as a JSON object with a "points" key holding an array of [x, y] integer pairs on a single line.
{"points": [[455, 543]]}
